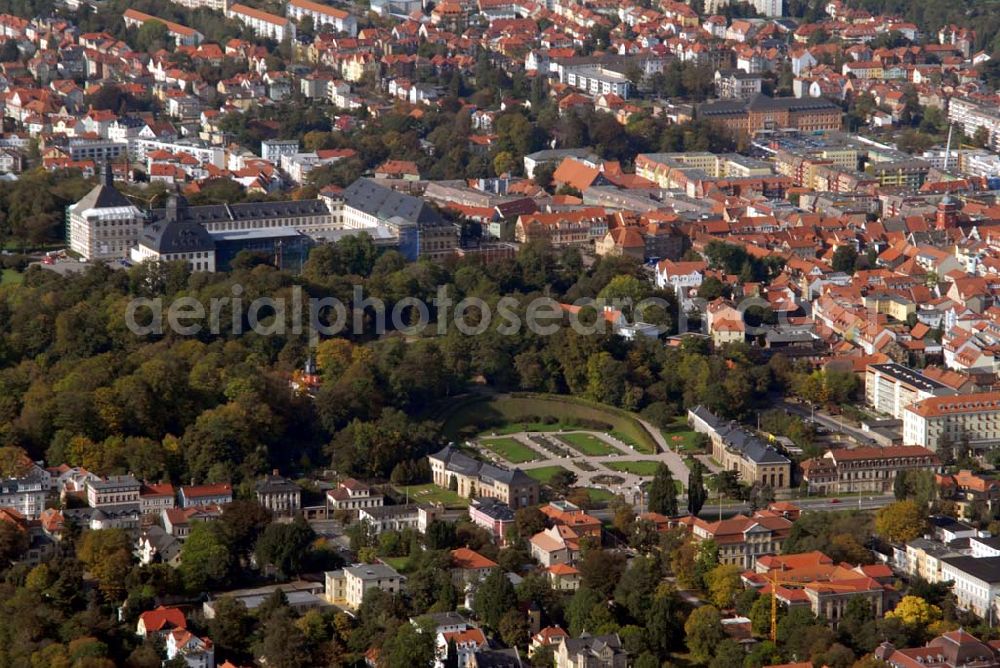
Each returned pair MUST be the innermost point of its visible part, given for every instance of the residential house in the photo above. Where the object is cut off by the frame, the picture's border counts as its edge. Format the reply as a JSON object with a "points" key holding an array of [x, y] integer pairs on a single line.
{"points": [[351, 496], [160, 620], [279, 495], [587, 651], [347, 586], [469, 567], [218, 494]]}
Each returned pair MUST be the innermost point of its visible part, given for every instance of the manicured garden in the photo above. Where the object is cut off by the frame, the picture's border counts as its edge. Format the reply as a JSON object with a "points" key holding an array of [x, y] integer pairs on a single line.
{"points": [[643, 468], [511, 413], [588, 444], [510, 449]]}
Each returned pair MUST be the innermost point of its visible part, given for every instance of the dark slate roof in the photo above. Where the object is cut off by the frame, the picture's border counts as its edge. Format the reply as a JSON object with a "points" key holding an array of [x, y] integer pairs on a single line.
{"points": [[986, 569], [496, 510], [498, 658], [761, 103], [102, 196], [212, 213], [176, 237], [385, 203], [723, 108], [708, 416], [275, 484], [458, 462], [593, 645], [754, 449]]}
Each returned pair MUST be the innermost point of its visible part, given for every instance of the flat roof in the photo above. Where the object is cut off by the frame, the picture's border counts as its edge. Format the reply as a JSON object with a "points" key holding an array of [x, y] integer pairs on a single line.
{"points": [[909, 376]]}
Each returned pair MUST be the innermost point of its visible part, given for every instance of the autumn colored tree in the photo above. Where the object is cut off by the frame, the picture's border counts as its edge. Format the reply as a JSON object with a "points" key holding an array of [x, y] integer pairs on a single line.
{"points": [[900, 522]]}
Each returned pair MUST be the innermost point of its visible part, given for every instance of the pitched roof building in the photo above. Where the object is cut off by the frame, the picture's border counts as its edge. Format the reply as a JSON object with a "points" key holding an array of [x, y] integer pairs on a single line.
{"points": [[474, 478]]}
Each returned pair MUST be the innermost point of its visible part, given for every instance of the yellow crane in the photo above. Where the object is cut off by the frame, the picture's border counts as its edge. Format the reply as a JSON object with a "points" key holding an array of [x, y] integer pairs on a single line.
{"points": [[773, 578]]}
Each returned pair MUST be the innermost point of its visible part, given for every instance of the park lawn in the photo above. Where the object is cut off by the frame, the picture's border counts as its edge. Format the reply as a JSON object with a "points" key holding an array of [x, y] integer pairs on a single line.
{"points": [[680, 437], [544, 474], [510, 449], [645, 468], [588, 444], [11, 277], [431, 493], [568, 412], [599, 496]]}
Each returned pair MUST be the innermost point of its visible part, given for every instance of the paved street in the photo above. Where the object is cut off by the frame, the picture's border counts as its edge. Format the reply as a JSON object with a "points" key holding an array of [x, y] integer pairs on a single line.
{"points": [[829, 422], [821, 504]]}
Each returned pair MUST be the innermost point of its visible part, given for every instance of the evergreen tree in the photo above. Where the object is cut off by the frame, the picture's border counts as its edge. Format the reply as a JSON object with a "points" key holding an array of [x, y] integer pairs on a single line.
{"points": [[663, 493], [697, 494]]}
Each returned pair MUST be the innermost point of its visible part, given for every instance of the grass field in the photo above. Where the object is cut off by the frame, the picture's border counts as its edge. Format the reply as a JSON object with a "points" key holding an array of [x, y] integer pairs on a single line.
{"points": [[11, 277], [588, 444], [431, 493], [544, 474], [510, 449], [399, 563], [638, 468], [508, 413], [680, 437], [599, 495]]}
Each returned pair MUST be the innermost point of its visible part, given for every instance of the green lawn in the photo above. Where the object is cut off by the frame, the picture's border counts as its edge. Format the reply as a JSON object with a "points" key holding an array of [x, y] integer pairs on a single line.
{"points": [[680, 437], [599, 495], [638, 468], [11, 277], [543, 474], [510, 449], [588, 444], [399, 563], [431, 493], [507, 413]]}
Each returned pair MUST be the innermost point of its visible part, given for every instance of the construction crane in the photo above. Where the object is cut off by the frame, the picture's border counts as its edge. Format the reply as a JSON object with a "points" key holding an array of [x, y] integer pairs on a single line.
{"points": [[773, 579]]}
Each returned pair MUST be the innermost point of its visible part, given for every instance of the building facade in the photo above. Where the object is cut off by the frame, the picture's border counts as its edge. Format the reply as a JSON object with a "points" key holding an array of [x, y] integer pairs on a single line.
{"points": [[104, 225], [968, 417], [347, 586], [738, 450], [474, 479], [279, 495], [871, 469], [891, 387]]}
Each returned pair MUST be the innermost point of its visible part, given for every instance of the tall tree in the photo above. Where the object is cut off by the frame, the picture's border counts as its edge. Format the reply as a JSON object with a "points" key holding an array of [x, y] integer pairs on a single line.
{"points": [[703, 630], [494, 598], [697, 494], [663, 492]]}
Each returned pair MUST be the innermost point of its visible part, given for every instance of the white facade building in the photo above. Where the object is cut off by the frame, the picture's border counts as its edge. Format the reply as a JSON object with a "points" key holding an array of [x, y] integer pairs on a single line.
{"points": [[104, 225]]}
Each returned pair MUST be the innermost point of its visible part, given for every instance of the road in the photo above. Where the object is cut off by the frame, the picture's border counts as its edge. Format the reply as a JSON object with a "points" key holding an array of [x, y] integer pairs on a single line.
{"points": [[820, 504], [833, 424]]}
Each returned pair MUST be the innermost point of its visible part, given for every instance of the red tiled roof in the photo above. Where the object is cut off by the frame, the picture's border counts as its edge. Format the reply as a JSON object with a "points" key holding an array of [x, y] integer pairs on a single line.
{"points": [[163, 617], [467, 559]]}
